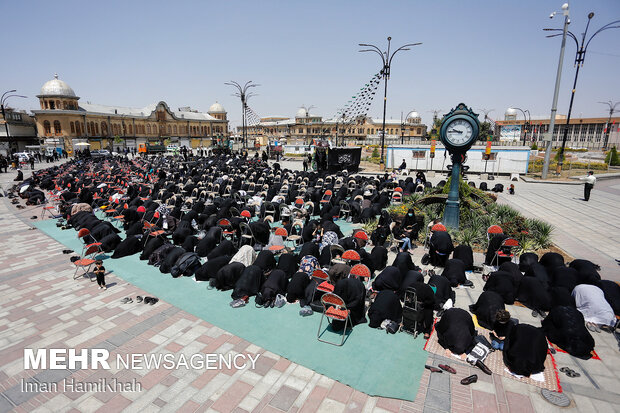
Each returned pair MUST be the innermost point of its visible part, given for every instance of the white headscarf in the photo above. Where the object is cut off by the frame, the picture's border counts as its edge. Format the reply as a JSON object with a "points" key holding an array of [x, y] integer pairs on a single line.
{"points": [[246, 255]]}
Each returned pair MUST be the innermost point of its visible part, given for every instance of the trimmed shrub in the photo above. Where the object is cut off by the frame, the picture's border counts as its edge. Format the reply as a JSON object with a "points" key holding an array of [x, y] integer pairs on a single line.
{"points": [[612, 157]]}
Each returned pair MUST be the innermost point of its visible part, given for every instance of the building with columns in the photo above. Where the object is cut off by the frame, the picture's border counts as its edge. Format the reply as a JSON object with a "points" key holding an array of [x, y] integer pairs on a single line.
{"points": [[63, 119], [364, 130], [582, 132]]}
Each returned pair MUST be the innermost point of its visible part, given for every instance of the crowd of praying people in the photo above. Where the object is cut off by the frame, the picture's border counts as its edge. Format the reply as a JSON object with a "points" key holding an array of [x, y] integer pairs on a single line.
{"points": [[275, 236]]}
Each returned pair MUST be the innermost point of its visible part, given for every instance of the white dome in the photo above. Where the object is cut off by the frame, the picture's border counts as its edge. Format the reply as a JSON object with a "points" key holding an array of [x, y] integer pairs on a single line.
{"points": [[510, 112], [56, 87], [302, 113], [216, 108], [413, 115]]}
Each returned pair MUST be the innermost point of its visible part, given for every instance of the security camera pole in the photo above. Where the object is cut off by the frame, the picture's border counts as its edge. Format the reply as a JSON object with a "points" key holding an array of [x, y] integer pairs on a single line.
{"points": [[554, 106]]}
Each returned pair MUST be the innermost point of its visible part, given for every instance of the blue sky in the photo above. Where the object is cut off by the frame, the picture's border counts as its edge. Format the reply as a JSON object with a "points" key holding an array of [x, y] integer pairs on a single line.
{"points": [[489, 54]]}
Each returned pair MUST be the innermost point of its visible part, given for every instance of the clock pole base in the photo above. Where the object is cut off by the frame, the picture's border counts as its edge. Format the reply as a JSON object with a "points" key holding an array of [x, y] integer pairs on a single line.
{"points": [[451, 214]]}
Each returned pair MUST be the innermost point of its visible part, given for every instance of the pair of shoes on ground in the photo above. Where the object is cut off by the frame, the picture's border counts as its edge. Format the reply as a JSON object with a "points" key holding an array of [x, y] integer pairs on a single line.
{"points": [[147, 300], [441, 369], [593, 327], [139, 299], [569, 372]]}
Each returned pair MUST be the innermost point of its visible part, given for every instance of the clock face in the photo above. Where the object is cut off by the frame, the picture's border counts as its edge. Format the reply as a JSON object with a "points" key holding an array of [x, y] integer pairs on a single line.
{"points": [[459, 132]]}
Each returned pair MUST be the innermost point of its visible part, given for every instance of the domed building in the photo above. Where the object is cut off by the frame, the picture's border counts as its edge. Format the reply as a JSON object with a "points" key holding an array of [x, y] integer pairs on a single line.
{"points": [[217, 111], [510, 114], [413, 117], [64, 122], [305, 127], [56, 94]]}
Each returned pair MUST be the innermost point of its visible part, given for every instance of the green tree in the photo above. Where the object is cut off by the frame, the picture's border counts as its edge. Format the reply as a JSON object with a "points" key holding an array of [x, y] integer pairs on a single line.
{"points": [[375, 153], [486, 131], [612, 157], [534, 146]]}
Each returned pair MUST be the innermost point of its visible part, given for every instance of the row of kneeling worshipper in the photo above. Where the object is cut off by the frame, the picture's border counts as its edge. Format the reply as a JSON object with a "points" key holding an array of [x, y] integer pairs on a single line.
{"points": [[572, 299]]}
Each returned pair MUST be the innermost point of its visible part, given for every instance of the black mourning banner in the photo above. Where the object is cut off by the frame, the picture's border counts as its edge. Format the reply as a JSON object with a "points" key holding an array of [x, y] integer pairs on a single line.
{"points": [[339, 159]]}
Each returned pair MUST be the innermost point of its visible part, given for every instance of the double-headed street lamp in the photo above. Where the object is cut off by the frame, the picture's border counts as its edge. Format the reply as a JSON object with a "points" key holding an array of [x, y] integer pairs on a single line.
{"points": [[3, 100], [244, 95], [386, 58], [612, 109], [527, 121], [580, 56]]}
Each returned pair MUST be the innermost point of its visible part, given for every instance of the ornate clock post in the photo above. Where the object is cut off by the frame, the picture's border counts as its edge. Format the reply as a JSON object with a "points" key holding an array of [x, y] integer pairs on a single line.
{"points": [[459, 130]]}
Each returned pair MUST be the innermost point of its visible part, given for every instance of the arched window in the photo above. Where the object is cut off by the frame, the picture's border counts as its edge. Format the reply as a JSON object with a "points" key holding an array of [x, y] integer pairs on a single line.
{"points": [[124, 129], [47, 127], [88, 128], [58, 104], [104, 129], [130, 129], [57, 129], [169, 130], [72, 126], [148, 128], [96, 129], [174, 128], [78, 129]]}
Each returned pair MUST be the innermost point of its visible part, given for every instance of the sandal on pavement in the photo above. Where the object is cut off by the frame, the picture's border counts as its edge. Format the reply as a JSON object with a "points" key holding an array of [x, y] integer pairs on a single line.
{"points": [[153, 300], [139, 299]]}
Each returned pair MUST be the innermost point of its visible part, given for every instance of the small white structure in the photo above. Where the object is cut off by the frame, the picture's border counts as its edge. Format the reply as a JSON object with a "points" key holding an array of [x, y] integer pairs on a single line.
{"points": [[504, 160]]}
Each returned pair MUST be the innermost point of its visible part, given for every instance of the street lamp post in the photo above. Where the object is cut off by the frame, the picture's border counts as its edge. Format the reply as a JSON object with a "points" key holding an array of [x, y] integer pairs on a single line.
{"points": [[612, 109], [580, 56], [556, 92], [386, 58], [402, 129], [526, 122], [3, 100], [244, 95]]}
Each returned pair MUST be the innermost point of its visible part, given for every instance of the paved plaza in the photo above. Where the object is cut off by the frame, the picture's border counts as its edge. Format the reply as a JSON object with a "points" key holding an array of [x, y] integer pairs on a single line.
{"points": [[43, 307]]}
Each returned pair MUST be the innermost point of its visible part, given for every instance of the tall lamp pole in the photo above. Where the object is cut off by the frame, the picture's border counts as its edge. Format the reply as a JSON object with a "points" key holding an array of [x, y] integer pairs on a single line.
{"points": [[386, 58], [580, 56], [612, 109], [3, 100], [244, 95], [556, 92]]}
